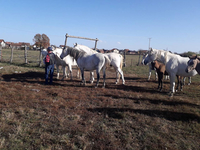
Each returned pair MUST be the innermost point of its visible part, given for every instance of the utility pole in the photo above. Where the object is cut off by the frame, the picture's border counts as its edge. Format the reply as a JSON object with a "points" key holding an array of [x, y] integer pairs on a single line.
{"points": [[149, 42]]}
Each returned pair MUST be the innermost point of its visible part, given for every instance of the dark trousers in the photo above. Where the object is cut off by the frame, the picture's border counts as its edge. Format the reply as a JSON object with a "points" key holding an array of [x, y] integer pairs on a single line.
{"points": [[49, 69]]}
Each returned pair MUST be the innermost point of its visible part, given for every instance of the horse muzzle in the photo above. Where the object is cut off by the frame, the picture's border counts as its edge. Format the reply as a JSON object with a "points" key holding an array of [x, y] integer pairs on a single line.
{"points": [[145, 62]]}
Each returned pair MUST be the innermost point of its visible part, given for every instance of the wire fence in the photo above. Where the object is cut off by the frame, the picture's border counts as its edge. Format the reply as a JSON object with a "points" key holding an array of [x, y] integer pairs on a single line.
{"points": [[17, 56], [33, 57]]}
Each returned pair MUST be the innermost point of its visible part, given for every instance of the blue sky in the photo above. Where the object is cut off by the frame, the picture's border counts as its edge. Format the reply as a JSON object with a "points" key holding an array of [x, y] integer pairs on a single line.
{"points": [[171, 24]]}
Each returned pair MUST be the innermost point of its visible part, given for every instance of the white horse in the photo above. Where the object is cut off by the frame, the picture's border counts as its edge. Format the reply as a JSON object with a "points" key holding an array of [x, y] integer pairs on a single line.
{"points": [[150, 68], [88, 62], [175, 65], [67, 61], [116, 60]]}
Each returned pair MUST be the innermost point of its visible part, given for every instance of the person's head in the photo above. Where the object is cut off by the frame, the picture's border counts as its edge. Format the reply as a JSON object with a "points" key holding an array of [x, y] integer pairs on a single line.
{"points": [[49, 49]]}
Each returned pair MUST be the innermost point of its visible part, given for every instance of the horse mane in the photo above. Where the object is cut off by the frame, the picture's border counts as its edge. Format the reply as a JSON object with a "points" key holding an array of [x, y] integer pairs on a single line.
{"points": [[75, 53], [84, 48], [159, 52]]}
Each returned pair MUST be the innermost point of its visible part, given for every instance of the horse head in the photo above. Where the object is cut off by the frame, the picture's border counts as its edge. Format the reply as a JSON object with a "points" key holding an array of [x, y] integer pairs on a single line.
{"points": [[152, 55], [144, 56], [192, 63], [64, 52]]}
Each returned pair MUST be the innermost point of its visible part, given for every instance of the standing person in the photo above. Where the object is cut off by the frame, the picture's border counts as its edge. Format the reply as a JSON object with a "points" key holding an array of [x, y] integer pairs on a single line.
{"points": [[49, 65]]}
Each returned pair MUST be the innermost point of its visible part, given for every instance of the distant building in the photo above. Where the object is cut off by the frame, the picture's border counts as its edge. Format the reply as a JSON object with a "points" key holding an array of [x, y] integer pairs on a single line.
{"points": [[100, 50]]}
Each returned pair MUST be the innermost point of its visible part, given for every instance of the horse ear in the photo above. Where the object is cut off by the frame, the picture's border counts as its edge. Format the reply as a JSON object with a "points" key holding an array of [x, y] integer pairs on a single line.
{"points": [[75, 44]]}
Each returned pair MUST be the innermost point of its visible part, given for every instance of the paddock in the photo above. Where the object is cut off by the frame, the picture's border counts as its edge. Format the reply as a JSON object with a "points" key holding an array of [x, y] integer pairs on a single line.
{"points": [[68, 115]]}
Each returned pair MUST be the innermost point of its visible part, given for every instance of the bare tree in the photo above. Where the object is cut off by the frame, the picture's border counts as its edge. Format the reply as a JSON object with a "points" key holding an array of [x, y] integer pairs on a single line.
{"points": [[41, 41]]}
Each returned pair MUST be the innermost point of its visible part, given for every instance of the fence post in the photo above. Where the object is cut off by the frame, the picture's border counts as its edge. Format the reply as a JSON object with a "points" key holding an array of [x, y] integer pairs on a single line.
{"points": [[139, 59], [11, 57], [95, 46], [40, 57], [25, 54], [124, 59], [1, 52], [66, 39]]}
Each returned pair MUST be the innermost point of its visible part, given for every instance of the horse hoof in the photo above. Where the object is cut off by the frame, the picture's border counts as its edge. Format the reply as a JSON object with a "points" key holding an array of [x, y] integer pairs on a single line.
{"points": [[171, 94]]}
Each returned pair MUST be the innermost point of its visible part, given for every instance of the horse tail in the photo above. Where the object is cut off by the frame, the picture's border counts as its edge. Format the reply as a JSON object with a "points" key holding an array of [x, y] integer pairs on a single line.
{"points": [[107, 60], [121, 63]]}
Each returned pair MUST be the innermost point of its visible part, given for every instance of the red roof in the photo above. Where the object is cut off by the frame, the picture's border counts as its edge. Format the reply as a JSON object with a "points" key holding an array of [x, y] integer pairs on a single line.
{"points": [[1, 40]]}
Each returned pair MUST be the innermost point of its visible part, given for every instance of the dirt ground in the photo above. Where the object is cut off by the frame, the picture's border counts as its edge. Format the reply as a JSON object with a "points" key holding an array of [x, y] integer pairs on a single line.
{"points": [[68, 115]]}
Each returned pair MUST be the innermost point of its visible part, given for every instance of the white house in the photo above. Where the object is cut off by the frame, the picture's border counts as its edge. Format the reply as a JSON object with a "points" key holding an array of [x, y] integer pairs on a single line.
{"points": [[2, 43]]}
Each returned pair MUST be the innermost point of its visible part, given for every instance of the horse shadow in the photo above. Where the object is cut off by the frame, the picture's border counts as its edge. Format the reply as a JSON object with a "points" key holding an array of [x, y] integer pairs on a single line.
{"points": [[133, 88], [169, 115], [23, 77], [154, 101]]}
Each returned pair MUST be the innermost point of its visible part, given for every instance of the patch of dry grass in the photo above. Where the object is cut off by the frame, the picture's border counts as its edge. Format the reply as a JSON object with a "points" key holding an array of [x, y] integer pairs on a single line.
{"points": [[67, 115]]}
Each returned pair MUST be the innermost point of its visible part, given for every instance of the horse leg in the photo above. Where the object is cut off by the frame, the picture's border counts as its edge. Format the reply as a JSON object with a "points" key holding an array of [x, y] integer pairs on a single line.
{"points": [[181, 84], [91, 77], [122, 75], [156, 75], [117, 76], [189, 80], [98, 77], [78, 73], [158, 82], [119, 71], [70, 70], [172, 84], [104, 77], [178, 82], [161, 81], [57, 68], [64, 72], [83, 78], [149, 74], [184, 78], [166, 77]]}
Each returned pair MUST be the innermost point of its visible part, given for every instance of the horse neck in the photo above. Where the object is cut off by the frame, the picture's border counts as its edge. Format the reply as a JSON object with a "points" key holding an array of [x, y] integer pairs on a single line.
{"points": [[75, 53], [162, 56], [57, 51]]}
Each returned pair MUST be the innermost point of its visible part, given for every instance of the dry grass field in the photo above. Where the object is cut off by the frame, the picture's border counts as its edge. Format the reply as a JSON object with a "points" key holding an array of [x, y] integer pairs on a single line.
{"points": [[67, 115]]}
